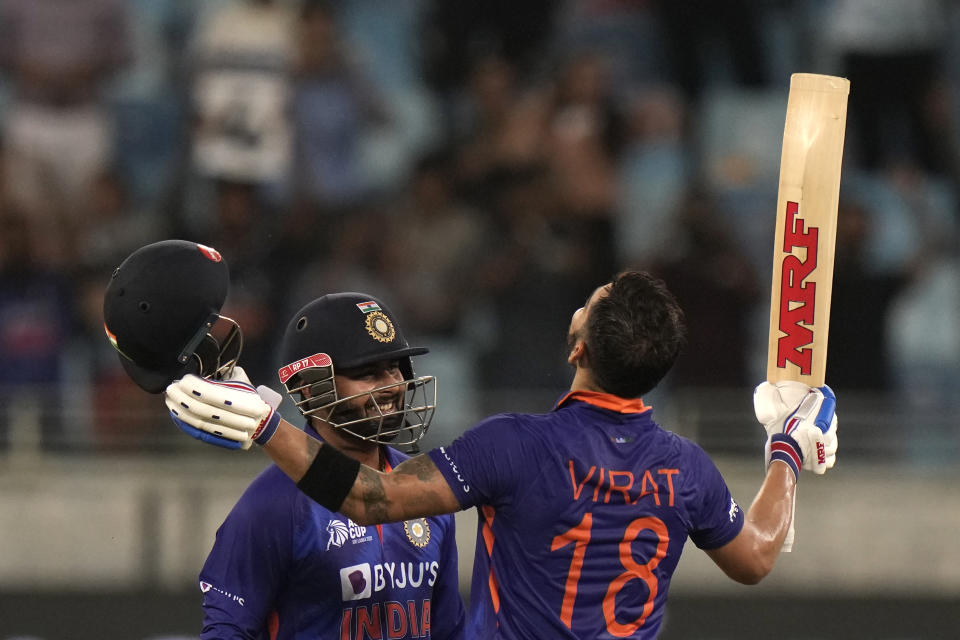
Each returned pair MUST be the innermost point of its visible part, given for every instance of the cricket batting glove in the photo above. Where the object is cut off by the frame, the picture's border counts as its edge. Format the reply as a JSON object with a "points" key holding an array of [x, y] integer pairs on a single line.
{"points": [[226, 413], [801, 425]]}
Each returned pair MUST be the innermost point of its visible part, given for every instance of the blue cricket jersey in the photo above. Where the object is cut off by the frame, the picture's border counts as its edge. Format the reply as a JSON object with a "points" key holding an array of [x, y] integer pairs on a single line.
{"points": [[283, 567], [583, 514]]}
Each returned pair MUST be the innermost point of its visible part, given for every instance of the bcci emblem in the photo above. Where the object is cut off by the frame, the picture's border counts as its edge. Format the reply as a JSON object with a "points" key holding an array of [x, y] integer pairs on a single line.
{"points": [[379, 327], [418, 532]]}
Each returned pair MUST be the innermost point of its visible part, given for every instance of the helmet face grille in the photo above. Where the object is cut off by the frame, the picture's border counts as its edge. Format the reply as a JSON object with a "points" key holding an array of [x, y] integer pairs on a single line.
{"points": [[216, 357], [400, 424]]}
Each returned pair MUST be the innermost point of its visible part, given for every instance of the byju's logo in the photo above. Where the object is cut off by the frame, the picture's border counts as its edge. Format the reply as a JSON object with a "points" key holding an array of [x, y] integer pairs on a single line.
{"points": [[361, 580], [355, 582]]}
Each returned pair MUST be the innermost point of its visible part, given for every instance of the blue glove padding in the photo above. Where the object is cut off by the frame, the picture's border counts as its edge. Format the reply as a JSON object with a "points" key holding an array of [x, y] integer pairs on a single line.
{"points": [[827, 409], [203, 436]]}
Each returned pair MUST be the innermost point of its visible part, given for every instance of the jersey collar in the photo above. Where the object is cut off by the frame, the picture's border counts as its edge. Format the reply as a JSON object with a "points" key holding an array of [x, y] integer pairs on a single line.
{"points": [[605, 401]]}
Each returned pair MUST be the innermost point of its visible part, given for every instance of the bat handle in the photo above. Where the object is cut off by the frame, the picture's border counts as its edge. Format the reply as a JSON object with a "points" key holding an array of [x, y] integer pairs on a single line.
{"points": [[791, 533]]}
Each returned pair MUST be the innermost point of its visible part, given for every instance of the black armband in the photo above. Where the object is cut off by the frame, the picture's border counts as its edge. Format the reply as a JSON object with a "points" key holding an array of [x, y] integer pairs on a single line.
{"points": [[330, 477]]}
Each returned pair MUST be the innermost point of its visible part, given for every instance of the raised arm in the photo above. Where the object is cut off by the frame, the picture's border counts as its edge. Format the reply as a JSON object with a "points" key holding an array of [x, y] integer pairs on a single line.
{"points": [[233, 414], [801, 428], [750, 556]]}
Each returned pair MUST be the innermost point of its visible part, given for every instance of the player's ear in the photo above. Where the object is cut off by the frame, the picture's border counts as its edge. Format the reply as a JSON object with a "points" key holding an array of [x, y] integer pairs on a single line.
{"points": [[578, 353]]}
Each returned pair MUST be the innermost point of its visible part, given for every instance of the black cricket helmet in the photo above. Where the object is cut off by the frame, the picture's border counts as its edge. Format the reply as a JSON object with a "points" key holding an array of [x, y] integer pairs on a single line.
{"points": [[159, 312], [347, 330]]}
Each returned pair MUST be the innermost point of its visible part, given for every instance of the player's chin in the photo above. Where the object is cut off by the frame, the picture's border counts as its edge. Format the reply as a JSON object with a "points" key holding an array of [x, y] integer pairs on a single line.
{"points": [[381, 428]]}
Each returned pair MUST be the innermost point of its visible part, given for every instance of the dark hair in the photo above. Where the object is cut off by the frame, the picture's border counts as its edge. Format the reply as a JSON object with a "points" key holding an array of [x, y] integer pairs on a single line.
{"points": [[634, 334]]}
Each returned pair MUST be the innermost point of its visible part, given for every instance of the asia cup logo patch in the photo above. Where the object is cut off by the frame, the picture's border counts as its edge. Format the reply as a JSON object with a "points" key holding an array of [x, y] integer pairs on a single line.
{"points": [[338, 533], [378, 324], [418, 532]]}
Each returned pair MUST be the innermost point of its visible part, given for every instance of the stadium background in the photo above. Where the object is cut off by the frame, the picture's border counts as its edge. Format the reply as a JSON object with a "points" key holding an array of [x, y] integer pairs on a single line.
{"points": [[482, 166]]}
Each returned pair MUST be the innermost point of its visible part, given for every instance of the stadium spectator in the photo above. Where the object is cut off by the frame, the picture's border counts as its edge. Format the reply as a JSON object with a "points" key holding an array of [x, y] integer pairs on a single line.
{"points": [[242, 56], [36, 324], [332, 107], [893, 53], [58, 129]]}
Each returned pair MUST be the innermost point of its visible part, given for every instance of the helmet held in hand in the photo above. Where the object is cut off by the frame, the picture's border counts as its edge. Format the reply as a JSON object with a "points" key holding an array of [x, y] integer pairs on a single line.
{"points": [[160, 308]]}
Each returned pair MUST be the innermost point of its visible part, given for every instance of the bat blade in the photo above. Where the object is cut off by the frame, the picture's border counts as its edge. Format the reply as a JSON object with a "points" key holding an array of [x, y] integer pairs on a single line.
{"points": [[803, 252], [806, 231]]}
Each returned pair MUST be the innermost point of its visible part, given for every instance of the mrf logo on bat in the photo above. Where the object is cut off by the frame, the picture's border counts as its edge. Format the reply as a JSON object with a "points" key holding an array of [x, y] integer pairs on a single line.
{"points": [[797, 295]]}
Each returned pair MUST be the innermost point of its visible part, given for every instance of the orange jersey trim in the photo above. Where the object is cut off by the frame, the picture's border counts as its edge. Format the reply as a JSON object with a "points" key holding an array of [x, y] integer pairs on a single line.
{"points": [[488, 538], [606, 401], [387, 468]]}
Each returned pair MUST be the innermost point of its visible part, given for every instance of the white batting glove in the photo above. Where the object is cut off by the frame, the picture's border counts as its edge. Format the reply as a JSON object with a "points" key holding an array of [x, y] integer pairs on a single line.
{"points": [[267, 394], [227, 413], [801, 425]]}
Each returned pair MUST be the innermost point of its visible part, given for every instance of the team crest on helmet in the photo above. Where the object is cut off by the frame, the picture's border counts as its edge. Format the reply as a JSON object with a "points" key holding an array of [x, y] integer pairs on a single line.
{"points": [[418, 532], [380, 327], [210, 253]]}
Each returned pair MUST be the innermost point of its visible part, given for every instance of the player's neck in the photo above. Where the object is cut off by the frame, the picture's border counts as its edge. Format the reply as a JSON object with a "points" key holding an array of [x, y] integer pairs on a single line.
{"points": [[363, 451], [583, 381]]}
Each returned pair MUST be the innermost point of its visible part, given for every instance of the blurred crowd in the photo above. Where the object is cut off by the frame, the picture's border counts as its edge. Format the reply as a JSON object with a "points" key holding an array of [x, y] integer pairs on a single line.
{"points": [[481, 167]]}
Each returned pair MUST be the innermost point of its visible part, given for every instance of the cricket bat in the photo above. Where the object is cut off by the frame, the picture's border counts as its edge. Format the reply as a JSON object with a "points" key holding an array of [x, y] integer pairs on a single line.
{"points": [[805, 238]]}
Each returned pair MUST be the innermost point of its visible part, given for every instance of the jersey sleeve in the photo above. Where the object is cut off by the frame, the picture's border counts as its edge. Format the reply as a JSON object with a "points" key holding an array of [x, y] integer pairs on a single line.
{"points": [[448, 617], [716, 518], [250, 560], [481, 464]]}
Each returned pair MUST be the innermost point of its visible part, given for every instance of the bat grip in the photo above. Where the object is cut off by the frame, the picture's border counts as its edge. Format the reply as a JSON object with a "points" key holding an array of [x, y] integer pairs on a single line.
{"points": [[791, 533]]}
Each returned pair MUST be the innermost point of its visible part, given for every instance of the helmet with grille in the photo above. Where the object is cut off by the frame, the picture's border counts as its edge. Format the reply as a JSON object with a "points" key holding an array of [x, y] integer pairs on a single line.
{"points": [[341, 332]]}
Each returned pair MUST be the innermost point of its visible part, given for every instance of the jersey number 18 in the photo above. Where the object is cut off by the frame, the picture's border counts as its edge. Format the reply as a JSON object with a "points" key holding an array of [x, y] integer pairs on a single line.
{"points": [[580, 536]]}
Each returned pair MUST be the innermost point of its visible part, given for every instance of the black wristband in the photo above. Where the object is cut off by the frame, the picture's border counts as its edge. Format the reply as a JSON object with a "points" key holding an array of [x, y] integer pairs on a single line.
{"points": [[330, 477]]}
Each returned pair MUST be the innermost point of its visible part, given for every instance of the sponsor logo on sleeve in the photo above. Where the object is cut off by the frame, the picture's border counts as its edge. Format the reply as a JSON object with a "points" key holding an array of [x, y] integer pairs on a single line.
{"points": [[456, 471], [734, 509], [206, 587]]}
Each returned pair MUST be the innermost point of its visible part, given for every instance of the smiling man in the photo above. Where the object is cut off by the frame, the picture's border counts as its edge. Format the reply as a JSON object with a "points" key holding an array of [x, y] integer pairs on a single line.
{"points": [[284, 566]]}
